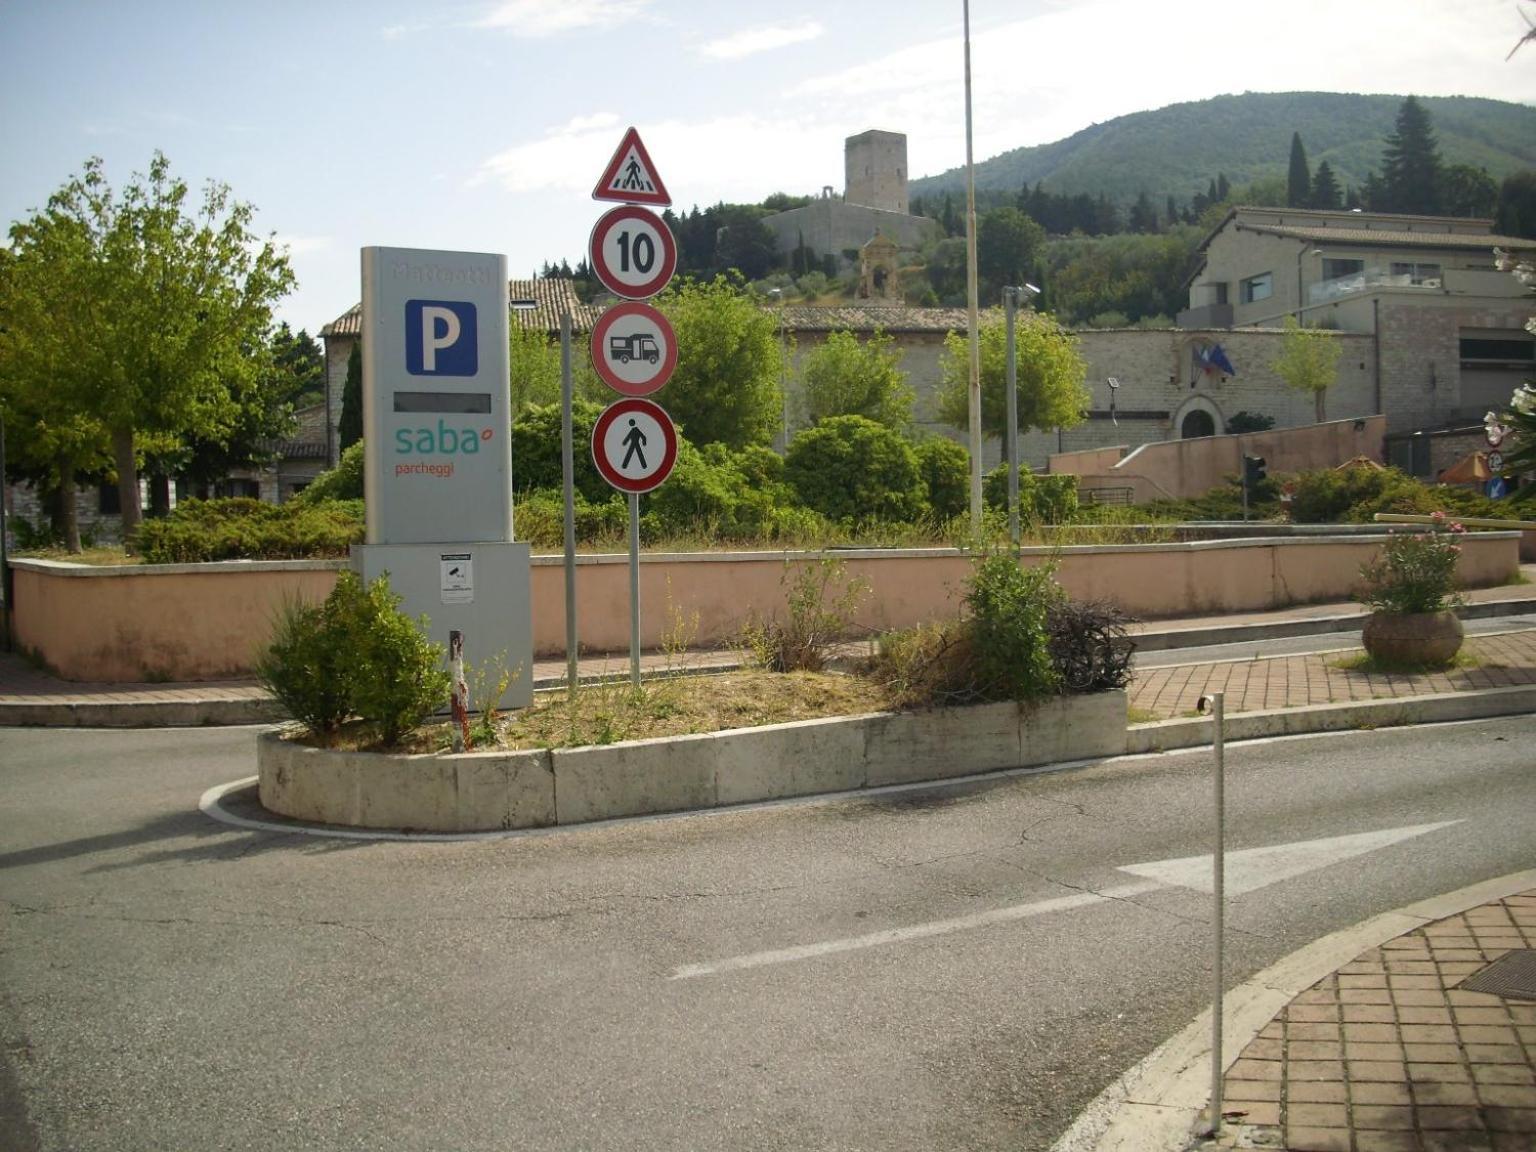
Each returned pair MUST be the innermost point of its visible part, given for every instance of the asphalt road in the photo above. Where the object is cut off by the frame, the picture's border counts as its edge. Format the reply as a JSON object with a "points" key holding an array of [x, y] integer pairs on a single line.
{"points": [[876, 972]]}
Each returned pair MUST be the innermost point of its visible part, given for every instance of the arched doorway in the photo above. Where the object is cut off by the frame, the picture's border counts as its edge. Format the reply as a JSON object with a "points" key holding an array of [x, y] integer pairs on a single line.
{"points": [[1197, 423]]}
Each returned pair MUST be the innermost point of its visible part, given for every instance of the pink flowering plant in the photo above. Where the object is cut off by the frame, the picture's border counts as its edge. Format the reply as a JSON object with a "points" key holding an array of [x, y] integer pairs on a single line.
{"points": [[1415, 572]]}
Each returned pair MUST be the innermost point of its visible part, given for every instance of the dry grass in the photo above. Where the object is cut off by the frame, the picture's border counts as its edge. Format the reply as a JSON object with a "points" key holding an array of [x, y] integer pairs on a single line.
{"points": [[606, 713]]}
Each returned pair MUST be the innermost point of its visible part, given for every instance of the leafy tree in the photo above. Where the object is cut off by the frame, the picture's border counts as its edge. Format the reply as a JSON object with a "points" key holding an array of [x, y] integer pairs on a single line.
{"points": [[1298, 181], [175, 308], [1008, 247], [42, 386], [1309, 359], [1466, 190], [946, 270], [1517, 204], [726, 387], [744, 242], [1050, 371], [853, 470], [1410, 172], [349, 429], [1325, 188], [536, 453], [299, 367], [843, 377], [534, 357]]}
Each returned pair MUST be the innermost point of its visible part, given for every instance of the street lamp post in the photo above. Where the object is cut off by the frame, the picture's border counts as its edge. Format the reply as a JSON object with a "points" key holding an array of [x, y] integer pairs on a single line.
{"points": [[974, 391]]}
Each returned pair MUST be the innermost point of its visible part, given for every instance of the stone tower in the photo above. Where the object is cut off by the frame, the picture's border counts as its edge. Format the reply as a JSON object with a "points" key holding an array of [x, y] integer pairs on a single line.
{"points": [[875, 164]]}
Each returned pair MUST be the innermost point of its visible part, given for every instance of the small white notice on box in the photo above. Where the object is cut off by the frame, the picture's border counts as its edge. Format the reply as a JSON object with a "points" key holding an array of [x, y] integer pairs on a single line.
{"points": [[458, 577]]}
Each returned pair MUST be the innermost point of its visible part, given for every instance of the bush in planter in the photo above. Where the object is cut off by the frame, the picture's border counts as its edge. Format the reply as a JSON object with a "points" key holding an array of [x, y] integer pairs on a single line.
{"points": [[356, 654], [1415, 573], [201, 531], [1089, 644]]}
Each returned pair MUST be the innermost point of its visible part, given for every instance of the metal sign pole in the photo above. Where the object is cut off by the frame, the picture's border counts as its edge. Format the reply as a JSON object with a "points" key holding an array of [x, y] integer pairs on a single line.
{"points": [[5, 563], [568, 471], [1218, 911], [634, 588]]}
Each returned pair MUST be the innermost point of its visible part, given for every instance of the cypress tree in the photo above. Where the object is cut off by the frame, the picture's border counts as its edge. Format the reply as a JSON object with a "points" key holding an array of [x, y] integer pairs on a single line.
{"points": [[1298, 183], [350, 428], [1410, 176], [1325, 187]]}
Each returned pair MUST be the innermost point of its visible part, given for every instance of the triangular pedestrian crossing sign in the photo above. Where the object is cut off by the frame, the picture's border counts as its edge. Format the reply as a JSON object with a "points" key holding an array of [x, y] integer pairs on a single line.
{"points": [[630, 177]]}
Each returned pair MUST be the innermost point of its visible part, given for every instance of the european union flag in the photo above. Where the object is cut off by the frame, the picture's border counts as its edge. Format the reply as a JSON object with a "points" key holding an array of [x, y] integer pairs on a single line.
{"points": [[1216, 358]]}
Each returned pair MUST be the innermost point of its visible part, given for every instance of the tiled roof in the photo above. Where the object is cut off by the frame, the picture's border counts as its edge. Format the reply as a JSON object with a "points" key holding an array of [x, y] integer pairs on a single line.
{"points": [[1377, 238], [550, 296], [868, 317]]}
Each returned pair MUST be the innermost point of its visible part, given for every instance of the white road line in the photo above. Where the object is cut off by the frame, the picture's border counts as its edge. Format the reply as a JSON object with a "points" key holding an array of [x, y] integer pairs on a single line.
{"points": [[916, 931]]}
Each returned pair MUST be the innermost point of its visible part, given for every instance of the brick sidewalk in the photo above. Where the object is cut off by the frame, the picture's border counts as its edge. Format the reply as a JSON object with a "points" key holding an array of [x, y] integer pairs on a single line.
{"points": [[1265, 684], [1389, 1055]]}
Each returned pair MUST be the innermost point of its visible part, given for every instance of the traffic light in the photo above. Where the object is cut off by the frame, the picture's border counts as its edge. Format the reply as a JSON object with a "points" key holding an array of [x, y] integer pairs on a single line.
{"points": [[1253, 471]]}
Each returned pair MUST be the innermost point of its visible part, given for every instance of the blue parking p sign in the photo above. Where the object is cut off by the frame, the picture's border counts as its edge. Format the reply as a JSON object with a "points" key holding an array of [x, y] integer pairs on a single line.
{"points": [[440, 338]]}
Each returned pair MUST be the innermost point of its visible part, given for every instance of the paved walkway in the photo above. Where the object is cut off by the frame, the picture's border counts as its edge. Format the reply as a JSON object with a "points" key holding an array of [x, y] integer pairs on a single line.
{"points": [[1392, 1054]]}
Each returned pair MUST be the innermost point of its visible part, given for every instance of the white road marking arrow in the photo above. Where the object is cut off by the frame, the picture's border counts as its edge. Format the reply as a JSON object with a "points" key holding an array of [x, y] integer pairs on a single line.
{"points": [[1253, 868], [1245, 871]]}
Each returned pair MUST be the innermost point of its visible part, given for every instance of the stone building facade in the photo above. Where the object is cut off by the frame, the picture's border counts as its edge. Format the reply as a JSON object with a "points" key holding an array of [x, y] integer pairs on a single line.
{"points": [[874, 201]]}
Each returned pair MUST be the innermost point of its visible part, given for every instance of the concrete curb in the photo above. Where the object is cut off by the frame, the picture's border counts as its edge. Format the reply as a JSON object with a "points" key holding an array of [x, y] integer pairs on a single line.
{"points": [[1165, 735], [1158, 1105], [139, 713]]}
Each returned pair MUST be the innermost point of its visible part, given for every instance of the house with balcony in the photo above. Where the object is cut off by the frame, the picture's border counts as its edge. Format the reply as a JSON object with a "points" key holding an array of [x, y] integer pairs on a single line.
{"points": [[1447, 328]]}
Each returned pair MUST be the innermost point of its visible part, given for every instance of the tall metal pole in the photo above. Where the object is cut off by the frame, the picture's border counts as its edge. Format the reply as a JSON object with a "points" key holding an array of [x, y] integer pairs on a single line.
{"points": [[974, 394], [568, 475], [1010, 310], [634, 589], [5, 564]]}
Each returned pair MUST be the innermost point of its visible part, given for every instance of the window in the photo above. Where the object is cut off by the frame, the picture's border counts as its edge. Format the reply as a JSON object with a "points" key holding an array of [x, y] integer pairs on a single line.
{"points": [[109, 500], [1338, 269], [1498, 348], [1260, 287], [1220, 296], [1416, 273]]}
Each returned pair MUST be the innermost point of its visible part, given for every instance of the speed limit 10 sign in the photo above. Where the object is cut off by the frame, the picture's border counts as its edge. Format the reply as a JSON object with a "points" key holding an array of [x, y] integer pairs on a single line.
{"points": [[633, 252]]}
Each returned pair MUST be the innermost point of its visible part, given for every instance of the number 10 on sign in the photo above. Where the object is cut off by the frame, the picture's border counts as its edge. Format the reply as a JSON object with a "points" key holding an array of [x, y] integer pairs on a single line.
{"points": [[633, 252]]}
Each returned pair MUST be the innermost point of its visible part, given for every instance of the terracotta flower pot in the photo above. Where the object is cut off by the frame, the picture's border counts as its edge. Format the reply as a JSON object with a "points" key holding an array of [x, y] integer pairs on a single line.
{"points": [[1414, 637]]}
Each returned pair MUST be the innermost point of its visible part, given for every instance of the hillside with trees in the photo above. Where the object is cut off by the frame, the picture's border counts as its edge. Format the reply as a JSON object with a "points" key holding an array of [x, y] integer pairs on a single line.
{"points": [[1177, 150]]}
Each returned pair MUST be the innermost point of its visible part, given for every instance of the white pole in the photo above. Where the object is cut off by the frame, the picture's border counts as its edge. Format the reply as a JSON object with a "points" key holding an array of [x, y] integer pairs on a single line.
{"points": [[1218, 911], [974, 392], [568, 479]]}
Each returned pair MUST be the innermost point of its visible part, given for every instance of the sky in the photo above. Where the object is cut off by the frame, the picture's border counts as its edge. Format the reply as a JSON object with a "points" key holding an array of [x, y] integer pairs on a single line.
{"points": [[483, 125]]}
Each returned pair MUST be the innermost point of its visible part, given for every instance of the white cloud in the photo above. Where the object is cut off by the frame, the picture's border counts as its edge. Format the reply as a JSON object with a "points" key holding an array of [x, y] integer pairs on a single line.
{"points": [[740, 158], [751, 41], [534, 18]]}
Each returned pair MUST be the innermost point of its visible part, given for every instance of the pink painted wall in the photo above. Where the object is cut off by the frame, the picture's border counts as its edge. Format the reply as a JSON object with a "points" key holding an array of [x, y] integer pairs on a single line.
{"points": [[1187, 468], [203, 622]]}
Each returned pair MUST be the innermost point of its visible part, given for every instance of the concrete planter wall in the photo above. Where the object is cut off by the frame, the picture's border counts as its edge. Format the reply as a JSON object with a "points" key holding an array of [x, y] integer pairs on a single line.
{"points": [[207, 621], [482, 791]]}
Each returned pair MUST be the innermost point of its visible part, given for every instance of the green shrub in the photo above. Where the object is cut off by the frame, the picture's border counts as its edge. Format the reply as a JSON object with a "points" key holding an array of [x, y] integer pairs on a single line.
{"points": [[709, 495], [200, 531], [536, 452], [308, 666], [356, 654], [945, 468], [1047, 499], [1249, 422], [1009, 609], [538, 517], [1327, 495], [853, 470], [1415, 571], [343, 482], [398, 677], [817, 617]]}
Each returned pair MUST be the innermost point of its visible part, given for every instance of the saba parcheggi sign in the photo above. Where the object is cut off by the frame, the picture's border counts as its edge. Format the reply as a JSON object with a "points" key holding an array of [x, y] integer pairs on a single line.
{"points": [[435, 369]]}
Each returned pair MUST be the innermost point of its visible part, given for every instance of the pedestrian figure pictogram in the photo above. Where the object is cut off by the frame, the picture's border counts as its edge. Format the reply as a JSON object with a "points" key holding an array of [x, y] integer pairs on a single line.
{"points": [[634, 440], [634, 178]]}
